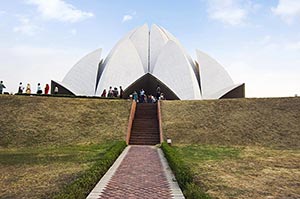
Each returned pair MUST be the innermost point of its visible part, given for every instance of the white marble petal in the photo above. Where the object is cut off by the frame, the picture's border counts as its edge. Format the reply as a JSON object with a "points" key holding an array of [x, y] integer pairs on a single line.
{"points": [[81, 79], [157, 41], [123, 67], [140, 39], [174, 70], [213, 76], [222, 92]]}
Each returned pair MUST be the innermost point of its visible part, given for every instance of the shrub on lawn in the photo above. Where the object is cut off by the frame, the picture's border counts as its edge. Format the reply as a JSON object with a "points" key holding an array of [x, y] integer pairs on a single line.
{"points": [[83, 185], [183, 174]]}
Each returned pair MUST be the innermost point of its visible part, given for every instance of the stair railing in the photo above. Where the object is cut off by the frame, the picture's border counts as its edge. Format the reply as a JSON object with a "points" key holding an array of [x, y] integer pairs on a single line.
{"points": [[159, 122], [130, 122]]}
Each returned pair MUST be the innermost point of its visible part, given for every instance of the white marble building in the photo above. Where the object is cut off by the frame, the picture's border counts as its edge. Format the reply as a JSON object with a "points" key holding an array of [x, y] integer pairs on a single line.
{"points": [[145, 58]]}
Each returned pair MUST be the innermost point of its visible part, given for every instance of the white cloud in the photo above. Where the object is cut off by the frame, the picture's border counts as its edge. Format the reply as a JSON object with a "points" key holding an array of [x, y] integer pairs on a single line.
{"points": [[128, 17], [2, 12], [26, 27], [60, 10], [288, 10], [227, 11]]}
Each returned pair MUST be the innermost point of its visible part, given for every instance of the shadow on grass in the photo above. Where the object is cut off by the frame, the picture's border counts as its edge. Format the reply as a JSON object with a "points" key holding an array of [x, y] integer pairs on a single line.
{"points": [[76, 153]]}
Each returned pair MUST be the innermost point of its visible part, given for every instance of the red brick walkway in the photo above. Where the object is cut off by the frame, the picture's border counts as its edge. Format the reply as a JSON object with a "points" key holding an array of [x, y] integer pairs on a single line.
{"points": [[140, 175]]}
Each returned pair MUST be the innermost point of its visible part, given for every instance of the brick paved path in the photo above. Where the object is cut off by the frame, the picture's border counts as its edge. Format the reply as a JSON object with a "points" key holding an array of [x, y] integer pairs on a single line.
{"points": [[140, 175]]}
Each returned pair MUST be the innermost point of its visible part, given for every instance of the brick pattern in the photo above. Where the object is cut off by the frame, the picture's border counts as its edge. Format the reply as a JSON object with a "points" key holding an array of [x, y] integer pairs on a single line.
{"points": [[139, 176]]}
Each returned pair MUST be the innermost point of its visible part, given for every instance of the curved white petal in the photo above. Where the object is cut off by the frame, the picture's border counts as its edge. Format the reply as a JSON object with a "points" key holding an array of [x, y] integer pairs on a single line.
{"points": [[81, 79], [174, 70], [222, 92], [213, 76], [123, 67], [140, 39], [157, 41]]}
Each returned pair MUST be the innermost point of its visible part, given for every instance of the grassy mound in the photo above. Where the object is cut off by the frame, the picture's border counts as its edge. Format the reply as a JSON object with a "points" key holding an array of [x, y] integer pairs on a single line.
{"points": [[262, 122], [41, 121], [53, 147], [239, 148]]}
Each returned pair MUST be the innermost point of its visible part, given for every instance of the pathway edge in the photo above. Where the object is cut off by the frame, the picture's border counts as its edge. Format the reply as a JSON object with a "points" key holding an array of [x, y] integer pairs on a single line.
{"points": [[98, 189], [175, 189]]}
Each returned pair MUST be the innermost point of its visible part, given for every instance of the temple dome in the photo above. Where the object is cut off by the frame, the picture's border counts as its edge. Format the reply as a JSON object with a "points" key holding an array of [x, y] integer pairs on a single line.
{"points": [[145, 58]]}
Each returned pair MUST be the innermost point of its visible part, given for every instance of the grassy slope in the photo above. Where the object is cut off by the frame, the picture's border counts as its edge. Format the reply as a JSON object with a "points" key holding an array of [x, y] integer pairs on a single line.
{"points": [[246, 148], [47, 142], [38, 121], [263, 122]]}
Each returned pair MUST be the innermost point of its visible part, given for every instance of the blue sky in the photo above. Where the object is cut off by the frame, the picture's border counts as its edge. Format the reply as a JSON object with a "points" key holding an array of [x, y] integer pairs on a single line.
{"points": [[258, 42]]}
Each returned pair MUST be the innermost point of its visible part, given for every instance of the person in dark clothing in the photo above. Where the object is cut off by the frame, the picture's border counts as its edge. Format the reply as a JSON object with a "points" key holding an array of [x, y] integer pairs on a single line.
{"points": [[121, 92], [21, 88], [103, 93], [157, 92], [1, 87]]}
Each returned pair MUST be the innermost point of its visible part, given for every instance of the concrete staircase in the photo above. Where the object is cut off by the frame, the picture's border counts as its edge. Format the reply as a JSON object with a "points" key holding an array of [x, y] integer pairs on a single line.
{"points": [[145, 128]]}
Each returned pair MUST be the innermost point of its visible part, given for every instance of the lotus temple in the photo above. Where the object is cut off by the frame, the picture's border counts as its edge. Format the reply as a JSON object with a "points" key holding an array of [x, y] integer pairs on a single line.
{"points": [[147, 57]]}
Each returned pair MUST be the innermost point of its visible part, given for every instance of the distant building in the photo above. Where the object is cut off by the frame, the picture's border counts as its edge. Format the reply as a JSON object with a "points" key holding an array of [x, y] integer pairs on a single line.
{"points": [[144, 59]]}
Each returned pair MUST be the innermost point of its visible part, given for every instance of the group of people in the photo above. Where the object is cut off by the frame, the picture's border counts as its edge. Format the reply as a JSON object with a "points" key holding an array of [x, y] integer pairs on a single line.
{"points": [[113, 93], [142, 97], [28, 89]]}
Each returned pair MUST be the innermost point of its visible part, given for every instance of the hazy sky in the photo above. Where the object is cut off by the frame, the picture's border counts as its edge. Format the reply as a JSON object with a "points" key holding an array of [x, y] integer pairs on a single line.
{"points": [[257, 41]]}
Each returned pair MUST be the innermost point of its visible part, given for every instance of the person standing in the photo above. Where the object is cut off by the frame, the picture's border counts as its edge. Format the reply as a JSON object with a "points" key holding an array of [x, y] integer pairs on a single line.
{"points": [[142, 97], [28, 89], [157, 92], [103, 93], [110, 92], [39, 89], [1, 87], [121, 92], [135, 96], [47, 88], [21, 88]]}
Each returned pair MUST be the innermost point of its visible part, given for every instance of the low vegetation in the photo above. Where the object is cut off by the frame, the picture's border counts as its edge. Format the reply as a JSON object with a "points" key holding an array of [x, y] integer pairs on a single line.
{"points": [[243, 148], [84, 184], [41, 121], [183, 174], [49, 147]]}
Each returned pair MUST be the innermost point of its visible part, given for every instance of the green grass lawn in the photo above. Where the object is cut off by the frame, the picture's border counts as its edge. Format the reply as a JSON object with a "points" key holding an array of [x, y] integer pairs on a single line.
{"points": [[243, 172], [47, 143], [238, 148], [41, 171]]}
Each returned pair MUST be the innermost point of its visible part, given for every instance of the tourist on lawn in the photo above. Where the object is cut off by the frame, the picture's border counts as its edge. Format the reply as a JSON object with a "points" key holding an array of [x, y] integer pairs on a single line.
{"points": [[1, 87], [21, 88], [39, 89], [47, 88], [28, 89], [110, 92], [103, 93], [115, 92], [121, 92]]}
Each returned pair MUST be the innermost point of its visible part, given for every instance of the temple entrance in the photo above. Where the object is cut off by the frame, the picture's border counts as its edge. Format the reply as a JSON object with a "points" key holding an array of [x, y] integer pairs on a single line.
{"points": [[149, 83]]}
